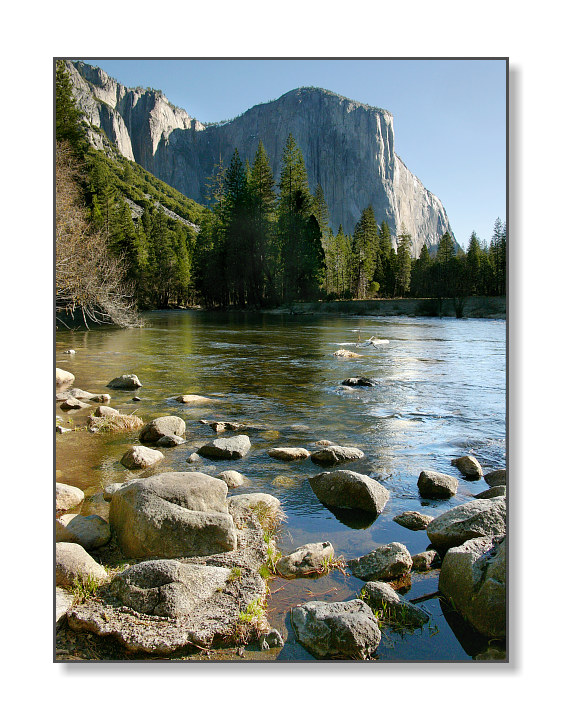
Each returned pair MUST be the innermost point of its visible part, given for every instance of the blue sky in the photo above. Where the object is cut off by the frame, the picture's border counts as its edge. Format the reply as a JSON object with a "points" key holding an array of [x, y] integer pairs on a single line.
{"points": [[449, 115]]}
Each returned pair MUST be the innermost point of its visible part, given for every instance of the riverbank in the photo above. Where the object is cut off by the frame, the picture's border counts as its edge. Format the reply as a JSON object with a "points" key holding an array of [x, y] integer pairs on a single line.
{"points": [[493, 308]]}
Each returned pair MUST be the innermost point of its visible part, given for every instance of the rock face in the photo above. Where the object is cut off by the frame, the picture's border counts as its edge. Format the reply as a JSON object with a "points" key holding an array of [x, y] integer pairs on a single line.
{"points": [[385, 563], [347, 489], [226, 448], [478, 518], [162, 426], [306, 560], [336, 454], [73, 562], [473, 578], [381, 596], [348, 147], [337, 630], [436, 485], [140, 457], [172, 515]]}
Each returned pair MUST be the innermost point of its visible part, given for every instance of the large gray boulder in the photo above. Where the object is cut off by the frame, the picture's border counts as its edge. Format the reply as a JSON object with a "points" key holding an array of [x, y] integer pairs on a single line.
{"points": [[67, 497], [306, 560], [468, 466], [336, 454], [347, 489], [385, 563], [231, 448], [477, 518], [473, 579], [394, 609], [337, 630], [436, 485], [90, 531], [158, 428], [139, 456], [288, 454], [125, 382], [173, 515], [72, 563]]}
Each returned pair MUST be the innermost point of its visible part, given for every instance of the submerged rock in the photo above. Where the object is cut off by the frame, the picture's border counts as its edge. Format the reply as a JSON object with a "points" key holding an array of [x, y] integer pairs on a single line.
{"points": [[306, 560], [162, 426], [227, 448], [171, 515], [477, 518], [385, 563], [336, 454], [141, 457], [337, 630], [436, 485], [347, 489], [292, 453], [346, 354], [473, 579], [468, 466], [74, 563], [413, 520], [125, 382], [358, 382], [195, 400], [381, 596], [67, 497], [90, 531]]}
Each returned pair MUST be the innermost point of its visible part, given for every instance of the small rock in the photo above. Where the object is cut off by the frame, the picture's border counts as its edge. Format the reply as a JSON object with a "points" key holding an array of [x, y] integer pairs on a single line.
{"points": [[170, 441], [73, 562], [67, 497], [60, 429], [73, 404], [346, 353], [381, 596], [166, 425], [413, 520], [195, 399], [136, 398], [324, 443], [468, 466], [306, 560], [101, 398], [496, 477], [436, 485], [336, 454], [233, 478], [69, 352], [105, 411], [125, 382], [496, 491], [63, 377], [424, 560], [270, 640], [90, 531], [358, 382], [140, 457], [288, 453], [385, 563], [227, 448], [194, 458], [337, 630]]}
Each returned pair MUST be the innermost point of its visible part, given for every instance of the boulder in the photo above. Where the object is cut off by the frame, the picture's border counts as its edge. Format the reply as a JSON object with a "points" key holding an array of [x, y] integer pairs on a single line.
{"points": [[413, 520], [171, 515], [63, 603], [63, 377], [226, 448], [468, 466], [424, 560], [162, 426], [194, 400], [90, 531], [105, 411], [125, 382], [170, 441], [477, 518], [346, 354], [380, 596], [289, 453], [492, 492], [358, 382], [306, 560], [336, 454], [67, 497], [73, 563], [240, 504], [233, 478], [73, 404], [495, 478], [80, 394], [436, 485], [385, 563], [337, 630], [347, 489], [109, 490], [473, 579], [139, 456]]}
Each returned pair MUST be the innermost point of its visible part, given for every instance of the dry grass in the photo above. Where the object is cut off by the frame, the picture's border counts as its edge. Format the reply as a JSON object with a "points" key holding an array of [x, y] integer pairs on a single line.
{"points": [[115, 423]]}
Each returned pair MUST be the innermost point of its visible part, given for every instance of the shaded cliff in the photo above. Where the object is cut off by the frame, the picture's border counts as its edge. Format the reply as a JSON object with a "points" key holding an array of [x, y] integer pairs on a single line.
{"points": [[347, 146]]}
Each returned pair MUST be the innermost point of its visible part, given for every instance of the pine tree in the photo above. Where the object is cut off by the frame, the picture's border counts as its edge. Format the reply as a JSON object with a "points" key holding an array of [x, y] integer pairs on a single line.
{"points": [[420, 276], [238, 268], [364, 252], [404, 260], [473, 263], [68, 121], [386, 256], [264, 248]]}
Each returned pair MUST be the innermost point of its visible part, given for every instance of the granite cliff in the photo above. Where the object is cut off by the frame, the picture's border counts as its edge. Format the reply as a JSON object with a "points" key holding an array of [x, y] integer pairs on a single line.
{"points": [[348, 147]]}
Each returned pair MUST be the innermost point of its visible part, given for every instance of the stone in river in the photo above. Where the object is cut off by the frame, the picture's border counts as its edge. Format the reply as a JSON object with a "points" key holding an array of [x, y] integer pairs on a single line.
{"points": [[125, 382], [90, 531], [226, 448], [141, 457], [347, 489], [385, 563], [413, 520], [468, 466], [436, 485], [289, 453], [336, 454], [477, 518], [158, 428], [67, 497], [496, 477], [73, 562]]}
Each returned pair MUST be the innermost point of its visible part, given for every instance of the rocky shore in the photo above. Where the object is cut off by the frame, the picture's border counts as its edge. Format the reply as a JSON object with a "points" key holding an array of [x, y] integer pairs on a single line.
{"points": [[181, 566]]}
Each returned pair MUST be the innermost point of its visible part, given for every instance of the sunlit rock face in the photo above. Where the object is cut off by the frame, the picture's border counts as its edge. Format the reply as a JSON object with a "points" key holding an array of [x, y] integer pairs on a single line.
{"points": [[347, 146]]}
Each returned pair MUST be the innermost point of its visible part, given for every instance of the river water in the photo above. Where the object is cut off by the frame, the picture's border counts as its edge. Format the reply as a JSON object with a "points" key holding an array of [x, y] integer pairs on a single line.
{"points": [[439, 393]]}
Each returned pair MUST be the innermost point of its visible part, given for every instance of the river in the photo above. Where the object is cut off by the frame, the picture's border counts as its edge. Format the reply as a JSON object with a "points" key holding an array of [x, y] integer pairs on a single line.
{"points": [[440, 392]]}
